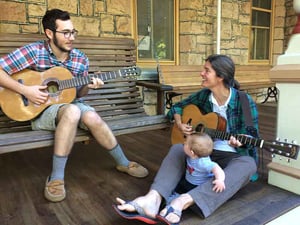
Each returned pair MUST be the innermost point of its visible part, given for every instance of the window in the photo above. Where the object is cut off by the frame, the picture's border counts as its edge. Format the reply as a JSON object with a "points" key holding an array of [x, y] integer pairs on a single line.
{"points": [[155, 30], [260, 30]]}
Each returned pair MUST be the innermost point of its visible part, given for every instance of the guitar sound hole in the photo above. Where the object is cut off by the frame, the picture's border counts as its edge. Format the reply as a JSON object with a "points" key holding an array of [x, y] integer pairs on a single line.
{"points": [[52, 88], [199, 128]]}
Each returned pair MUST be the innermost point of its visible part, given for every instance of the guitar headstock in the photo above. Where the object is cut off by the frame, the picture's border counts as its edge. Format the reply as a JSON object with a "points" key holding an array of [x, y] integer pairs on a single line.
{"points": [[286, 149], [130, 72]]}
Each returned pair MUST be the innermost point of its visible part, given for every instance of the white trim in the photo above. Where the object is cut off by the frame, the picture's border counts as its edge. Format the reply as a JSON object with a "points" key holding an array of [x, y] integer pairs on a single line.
{"points": [[219, 15]]}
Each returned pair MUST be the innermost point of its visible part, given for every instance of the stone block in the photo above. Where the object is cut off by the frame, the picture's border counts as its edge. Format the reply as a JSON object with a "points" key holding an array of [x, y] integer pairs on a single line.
{"points": [[117, 7], [9, 28], [230, 10], [242, 42], [67, 5], [30, 28], [36, 10], [107, 23], [187, 43], [278, 33], [14, 11], [192, 4], [99, 7], [123, 24], [86, 7], [86, 26]]}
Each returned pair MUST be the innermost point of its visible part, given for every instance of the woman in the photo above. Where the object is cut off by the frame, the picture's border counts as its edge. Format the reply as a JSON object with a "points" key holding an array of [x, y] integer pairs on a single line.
{"points": [[220, 95]]}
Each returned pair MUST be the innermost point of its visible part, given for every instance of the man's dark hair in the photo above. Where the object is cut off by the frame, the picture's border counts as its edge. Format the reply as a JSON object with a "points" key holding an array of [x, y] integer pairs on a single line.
{"points": [[49, 19], [225, 68]]}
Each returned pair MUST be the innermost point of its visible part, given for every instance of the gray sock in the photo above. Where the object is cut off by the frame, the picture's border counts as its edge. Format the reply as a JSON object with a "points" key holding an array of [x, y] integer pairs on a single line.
{"points": [[58, 167], [119, 156]]}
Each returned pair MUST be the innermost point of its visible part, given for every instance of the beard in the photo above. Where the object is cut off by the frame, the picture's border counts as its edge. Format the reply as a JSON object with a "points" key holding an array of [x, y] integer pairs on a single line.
{"points": [[59, 46]]}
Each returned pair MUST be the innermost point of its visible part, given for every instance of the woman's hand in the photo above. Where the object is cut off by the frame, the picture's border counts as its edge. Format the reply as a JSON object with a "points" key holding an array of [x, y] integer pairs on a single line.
{"points": [[233, 142], [185, 128]]}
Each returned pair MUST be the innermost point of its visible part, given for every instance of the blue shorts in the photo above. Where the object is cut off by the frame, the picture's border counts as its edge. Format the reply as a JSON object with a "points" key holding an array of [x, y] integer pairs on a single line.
{"points": [[47, 120]]}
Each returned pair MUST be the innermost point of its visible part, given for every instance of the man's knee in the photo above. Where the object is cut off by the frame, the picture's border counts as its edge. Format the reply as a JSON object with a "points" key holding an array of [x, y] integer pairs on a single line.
{"points": [[69, 112], [91, 118]]}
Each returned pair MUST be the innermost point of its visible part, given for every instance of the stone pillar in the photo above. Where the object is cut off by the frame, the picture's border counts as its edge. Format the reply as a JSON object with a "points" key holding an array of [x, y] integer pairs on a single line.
{"points": [[284, 172]]}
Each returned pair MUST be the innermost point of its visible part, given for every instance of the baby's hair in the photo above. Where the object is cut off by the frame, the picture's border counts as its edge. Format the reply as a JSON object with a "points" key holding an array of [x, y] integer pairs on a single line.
{"points": [[201, 144]]}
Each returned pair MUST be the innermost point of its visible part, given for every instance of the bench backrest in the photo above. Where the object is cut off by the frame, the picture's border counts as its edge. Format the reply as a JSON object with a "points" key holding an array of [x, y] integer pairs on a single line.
{"points": [[177, 75], [105, 54], [253, 76], [116, 99], [183, 77]]}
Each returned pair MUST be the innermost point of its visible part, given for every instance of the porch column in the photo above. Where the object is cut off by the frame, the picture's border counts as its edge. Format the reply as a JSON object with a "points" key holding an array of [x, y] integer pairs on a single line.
{"points": [[283, 171]]}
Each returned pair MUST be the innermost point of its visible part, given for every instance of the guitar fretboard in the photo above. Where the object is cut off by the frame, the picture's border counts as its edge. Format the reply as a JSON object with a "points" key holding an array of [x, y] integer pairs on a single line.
{"points": [[246, 140], [79, 81]]}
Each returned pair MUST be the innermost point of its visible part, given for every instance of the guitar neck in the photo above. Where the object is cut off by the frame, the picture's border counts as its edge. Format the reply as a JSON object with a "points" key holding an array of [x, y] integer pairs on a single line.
{"points": [[80, 81], [245, 140], [286, 149]]}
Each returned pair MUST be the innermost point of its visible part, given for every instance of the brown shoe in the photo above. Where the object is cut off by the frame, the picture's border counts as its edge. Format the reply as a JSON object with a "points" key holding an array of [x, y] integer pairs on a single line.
{"points": [[134, 169], [55, 190]]}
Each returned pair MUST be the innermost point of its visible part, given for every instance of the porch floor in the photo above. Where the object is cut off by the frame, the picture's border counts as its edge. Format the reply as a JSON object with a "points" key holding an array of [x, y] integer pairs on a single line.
{"points": [[92, 183]]}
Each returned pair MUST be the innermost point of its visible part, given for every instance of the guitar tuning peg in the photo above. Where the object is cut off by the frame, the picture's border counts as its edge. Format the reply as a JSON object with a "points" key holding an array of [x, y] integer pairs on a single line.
{"points": [[286, 140], [277, 139], [273, 156], [294, 142], [288, 160]]}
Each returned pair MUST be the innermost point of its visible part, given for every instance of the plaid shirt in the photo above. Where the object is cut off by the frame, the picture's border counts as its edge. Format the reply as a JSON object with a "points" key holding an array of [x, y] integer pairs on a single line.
{"points": [[235, 116], [38, 56]]}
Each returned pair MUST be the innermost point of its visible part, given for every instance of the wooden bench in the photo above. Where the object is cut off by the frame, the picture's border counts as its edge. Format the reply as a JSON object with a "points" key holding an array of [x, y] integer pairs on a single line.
{"points": [[118, 102], [186, 79]]}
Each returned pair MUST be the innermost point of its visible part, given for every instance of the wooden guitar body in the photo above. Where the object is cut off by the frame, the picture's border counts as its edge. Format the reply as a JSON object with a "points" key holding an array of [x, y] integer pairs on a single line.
{"points": [[18, 108], [210, 120]]}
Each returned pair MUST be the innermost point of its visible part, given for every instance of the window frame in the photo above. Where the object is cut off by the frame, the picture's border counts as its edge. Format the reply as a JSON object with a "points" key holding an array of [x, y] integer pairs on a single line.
{"points": [[154, 62], [271, 11]]}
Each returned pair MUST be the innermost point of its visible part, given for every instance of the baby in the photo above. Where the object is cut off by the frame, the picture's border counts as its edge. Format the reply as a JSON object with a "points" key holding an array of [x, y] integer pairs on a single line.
{"points": [[199, 167]]}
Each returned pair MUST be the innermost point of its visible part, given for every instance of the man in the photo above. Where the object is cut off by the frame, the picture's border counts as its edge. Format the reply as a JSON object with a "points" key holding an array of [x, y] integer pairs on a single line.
{"points": [[63, 118]]}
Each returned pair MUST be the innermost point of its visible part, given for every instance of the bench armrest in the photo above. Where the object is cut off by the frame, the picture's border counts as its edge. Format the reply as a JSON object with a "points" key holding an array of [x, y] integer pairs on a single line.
{"points": [[160, 90], [156, 86]]}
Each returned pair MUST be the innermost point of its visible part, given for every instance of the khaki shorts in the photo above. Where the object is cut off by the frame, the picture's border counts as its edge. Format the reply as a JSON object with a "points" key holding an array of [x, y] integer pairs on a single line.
{"points": [[47, 120]]}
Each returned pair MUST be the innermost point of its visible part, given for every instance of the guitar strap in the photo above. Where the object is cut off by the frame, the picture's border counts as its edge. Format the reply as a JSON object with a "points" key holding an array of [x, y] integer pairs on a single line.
{"points": [[247, 113]]}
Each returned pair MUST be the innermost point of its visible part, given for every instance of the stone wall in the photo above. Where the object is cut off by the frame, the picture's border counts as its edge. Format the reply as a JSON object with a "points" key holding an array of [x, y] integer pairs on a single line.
{"points": [[198, 29], [279, 35], [290, 21], [90, 17], [197, 26], [197, 23]]}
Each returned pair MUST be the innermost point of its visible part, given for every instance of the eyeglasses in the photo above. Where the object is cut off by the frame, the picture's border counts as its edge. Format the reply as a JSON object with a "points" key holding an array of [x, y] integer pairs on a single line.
{"points": [[67, 33]]}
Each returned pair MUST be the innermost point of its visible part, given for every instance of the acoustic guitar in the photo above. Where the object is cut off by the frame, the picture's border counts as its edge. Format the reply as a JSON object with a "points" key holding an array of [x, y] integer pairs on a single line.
{"points": [[215, 126], [60, 87]]}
